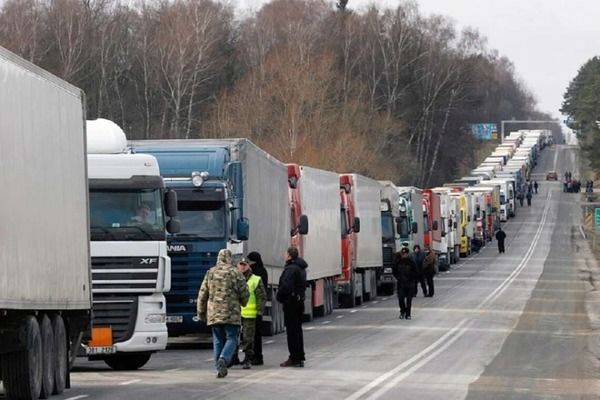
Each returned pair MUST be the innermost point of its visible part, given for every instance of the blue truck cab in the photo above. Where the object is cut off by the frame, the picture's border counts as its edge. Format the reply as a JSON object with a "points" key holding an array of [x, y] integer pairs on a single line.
{"points": [[210, 204]]}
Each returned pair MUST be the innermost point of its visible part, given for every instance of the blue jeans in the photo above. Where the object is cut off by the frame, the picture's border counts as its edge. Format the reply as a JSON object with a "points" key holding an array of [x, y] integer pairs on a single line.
{"points": [[225, 341]]}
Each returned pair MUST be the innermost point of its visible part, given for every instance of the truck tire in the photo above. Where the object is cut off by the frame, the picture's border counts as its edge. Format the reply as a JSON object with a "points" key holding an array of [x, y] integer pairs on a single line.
{"points": [[61, 366], [127, 361], [48, 357], [347, 300], [22, 370]]}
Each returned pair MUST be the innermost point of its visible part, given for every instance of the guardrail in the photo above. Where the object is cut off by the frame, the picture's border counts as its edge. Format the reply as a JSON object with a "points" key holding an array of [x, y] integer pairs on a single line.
{"points": [[589, 226]]}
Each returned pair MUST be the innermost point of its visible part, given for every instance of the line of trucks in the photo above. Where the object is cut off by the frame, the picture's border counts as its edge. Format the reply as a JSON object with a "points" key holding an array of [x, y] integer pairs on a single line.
{"points": [[93, 261]]}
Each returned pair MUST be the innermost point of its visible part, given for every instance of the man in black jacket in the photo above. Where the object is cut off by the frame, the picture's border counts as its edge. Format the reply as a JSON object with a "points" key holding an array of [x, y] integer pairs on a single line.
{"points": [[292, 286], [258, 269], [405, 272], [500, 237]]}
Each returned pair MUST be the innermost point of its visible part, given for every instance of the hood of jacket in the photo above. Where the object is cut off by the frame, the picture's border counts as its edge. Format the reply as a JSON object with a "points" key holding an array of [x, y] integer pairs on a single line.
{"points": [[256, 258], [224, 257], [298, 261]]}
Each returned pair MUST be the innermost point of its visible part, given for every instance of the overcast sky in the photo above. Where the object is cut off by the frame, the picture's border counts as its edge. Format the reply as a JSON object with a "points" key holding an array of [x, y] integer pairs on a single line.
{"points": [[548, 40]]}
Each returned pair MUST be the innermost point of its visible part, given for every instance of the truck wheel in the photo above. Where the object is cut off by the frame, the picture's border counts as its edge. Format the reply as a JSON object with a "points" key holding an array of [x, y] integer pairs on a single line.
{"points": [[48, 357], [347, 300], [22, 371], [127, 361], [61, 366]]}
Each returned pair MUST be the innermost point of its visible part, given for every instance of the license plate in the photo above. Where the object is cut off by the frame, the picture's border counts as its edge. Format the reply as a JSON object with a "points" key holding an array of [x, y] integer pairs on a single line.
{"points": [[101, 350], [174, 319]]}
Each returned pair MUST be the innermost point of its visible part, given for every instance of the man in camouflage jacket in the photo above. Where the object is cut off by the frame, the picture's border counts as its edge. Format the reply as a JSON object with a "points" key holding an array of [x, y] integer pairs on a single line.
{"points": [[222, 294]]}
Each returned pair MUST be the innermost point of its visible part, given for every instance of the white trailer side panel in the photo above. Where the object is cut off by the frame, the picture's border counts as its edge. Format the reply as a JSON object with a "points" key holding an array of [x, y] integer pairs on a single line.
{"points": [[44, 241], [320, 197], [266, 205], [366, 195]]}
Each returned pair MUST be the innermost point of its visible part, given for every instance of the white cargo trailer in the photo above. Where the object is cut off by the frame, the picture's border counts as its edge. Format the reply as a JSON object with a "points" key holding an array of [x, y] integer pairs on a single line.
{"points": [[320, 202], [45, 296], [366, 196]]}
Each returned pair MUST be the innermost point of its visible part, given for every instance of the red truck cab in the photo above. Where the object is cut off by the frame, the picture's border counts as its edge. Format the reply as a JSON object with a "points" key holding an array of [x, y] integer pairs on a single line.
{"points": [[349, 227]]}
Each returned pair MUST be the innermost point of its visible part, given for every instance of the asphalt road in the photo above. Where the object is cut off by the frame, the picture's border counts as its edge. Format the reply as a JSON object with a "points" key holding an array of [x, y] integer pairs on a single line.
{"points": [[521, 325]]}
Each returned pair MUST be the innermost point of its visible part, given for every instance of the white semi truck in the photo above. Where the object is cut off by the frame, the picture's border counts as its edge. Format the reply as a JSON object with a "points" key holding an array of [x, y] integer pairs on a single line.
{"points": [[45, 296], [131, 270]]}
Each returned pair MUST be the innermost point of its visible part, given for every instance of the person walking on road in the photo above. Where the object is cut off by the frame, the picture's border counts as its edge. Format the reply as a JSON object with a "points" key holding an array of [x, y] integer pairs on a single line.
{"points": [[252, 309], [258, 269], [528, 198], [535, 186], [418, 257], [520, 197], [405, 272], [291, 292], [429, 270], [500, 237], [530, 188], [223, 293]]}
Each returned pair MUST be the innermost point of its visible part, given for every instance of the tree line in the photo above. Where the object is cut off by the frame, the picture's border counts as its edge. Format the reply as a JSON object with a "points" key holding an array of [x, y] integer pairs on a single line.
{"points": [[581, 104], [386, 92]]}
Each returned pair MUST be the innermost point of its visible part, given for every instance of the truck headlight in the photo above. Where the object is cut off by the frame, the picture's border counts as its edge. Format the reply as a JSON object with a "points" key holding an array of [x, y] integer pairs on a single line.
{"points": [[387, 270], [156, 319]]}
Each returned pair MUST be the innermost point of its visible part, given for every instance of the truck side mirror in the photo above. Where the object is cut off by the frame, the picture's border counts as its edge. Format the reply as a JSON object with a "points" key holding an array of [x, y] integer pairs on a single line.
{"points": [[243, 229], [303, 225], [171, 203], [173, 226], [443, 233], [415, 227], [455, 225], [435, 226], [356, 226]]}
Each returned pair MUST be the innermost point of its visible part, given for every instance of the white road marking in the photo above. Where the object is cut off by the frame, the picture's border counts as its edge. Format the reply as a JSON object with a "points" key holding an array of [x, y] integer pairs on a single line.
{"points": [[130, 382], [82, 396], [375, 301], [310, 328], [209, 359], [384, 299], [353, 311], [269, 341], [429, 353], [340, 317], [177, 369], [326, 322]]}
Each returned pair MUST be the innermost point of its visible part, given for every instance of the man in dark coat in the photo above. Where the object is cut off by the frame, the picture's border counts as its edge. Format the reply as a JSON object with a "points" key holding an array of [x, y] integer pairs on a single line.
{"points": [[429, 270], [535, 186], [291, 293], [528, 196], [258, 269], [405, 272], [500, 237], [418, 259]]}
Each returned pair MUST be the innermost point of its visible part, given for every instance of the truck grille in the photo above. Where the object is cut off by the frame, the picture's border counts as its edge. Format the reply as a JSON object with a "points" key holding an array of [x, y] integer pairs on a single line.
{"points": [[124, 275], [119, 313], [388, 256], [187, 273]]}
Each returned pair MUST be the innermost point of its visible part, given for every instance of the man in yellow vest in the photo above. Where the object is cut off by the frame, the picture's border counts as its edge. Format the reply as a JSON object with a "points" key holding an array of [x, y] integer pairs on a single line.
{"points": [[254, 308]]}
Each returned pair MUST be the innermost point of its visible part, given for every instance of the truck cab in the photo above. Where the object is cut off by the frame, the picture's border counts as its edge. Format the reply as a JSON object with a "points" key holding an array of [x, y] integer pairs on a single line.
{"points": [[349, 283], [390, 237], [131, 271]]}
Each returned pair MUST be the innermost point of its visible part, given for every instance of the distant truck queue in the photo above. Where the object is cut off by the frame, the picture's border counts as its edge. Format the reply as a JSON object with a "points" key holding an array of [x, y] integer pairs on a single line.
{"points": [[122, 275]]}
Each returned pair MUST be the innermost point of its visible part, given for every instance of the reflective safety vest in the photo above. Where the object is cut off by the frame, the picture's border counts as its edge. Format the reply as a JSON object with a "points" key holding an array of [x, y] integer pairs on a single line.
{"points": [[251, 311]]}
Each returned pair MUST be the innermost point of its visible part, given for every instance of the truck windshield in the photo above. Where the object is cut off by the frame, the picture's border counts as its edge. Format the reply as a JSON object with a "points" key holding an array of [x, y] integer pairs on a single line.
{"points": [[387, 228], [121, 214], [344, 222], [426, 222], [204, 219], [502, 199]]}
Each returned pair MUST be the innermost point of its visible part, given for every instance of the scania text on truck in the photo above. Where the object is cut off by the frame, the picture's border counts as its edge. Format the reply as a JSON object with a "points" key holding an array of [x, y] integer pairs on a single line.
{"points": [[45, 296], [231, 194], [131, 270]]}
